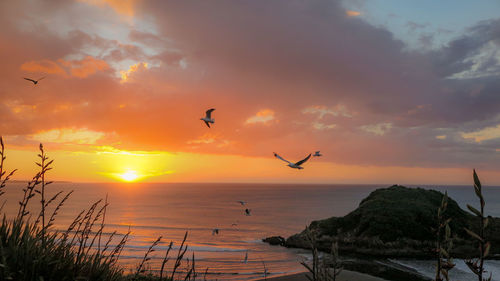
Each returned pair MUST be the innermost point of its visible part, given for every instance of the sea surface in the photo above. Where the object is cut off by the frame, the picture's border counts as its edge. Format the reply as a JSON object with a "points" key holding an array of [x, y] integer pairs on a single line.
{"points": [[170, 210]]}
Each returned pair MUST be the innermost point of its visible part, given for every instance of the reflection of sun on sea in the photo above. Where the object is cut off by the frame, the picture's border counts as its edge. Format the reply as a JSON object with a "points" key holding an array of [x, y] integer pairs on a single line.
{"points": [[129, 176]]}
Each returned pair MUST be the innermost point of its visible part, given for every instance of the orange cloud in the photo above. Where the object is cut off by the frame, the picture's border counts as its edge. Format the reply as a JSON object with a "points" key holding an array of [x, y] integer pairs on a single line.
{"points": [[77, 68], [125, 74], [123, 7], [78, 136], [483, 134], [87, 66], [209, 139], [44, 66], [18, 107], [205, 139], [264, 116], [350, 13]]}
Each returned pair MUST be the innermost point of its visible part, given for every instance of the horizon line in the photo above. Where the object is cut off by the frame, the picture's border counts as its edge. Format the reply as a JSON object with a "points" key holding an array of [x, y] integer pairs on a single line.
{"points": [[267, 183]]}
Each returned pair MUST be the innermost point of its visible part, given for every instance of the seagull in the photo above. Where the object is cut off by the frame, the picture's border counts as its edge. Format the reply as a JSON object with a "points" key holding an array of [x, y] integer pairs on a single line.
{"points": [[317, 154], [234, 224], [246, 258], [208, 117], [215, 231], [247, 212], [294, 165], [241, 202], [34, 81]]}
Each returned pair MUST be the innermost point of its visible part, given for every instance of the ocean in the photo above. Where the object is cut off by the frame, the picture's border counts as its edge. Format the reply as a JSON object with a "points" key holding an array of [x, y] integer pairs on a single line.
{"points": [[151, 210]]}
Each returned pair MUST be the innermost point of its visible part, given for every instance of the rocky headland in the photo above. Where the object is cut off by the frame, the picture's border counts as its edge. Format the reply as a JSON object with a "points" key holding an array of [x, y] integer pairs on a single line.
{"points": [[394, 222]]}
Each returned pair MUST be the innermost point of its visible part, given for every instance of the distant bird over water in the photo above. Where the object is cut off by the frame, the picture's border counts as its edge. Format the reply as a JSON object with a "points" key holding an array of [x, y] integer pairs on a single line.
{"points": [[317, 154], [208, 117], [247, 212], [215, 231], [34, 81], [241, 202], [293, 165]]}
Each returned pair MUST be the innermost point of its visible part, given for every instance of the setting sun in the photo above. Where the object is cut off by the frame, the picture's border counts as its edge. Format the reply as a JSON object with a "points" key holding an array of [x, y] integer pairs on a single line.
{"points": [[129, 176]]}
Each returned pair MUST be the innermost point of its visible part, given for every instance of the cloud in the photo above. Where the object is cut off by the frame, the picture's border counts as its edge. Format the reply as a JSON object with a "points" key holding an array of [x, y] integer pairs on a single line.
{"points": [[19, 108], [106, 149], [483, 134], [426, 41], [43, 66], [124, 7], [414, 26], [352, 13], [205, 139], [264, 116], [125, 74], [296, 64], [209, 138], [419, 109], [85, 67], [462, 53], [322, 126], [379, 129], [322, 111], [68, 135], [77, 68]]}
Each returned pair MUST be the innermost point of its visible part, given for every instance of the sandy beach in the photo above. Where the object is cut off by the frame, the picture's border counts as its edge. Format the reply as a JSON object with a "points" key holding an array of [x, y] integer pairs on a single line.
{"points": [[344, 276]]}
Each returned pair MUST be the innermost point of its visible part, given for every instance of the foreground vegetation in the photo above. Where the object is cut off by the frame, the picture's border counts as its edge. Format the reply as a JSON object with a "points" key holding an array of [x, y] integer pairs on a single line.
{"points": [[30, 249]]}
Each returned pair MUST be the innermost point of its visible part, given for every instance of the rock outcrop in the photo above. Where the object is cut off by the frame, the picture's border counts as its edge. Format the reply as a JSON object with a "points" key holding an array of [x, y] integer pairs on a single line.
{"points": [[275, 240], [397, 222]]}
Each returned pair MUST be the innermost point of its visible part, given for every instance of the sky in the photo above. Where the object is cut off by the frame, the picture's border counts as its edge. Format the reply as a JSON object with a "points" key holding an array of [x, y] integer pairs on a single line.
{"points": [[404, 92]]}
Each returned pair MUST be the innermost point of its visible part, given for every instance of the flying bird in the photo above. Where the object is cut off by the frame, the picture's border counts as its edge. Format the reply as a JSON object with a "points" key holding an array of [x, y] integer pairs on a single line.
{"points": [[246, 258], [317, 154], [208, 117], [247, 212], [242, 202], [215, 231], [293, 165], [34, 81], [234, 224]]}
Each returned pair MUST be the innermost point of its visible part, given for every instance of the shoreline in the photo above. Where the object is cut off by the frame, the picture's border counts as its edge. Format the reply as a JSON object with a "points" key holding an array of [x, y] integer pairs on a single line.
{"points": [[343, 276]]}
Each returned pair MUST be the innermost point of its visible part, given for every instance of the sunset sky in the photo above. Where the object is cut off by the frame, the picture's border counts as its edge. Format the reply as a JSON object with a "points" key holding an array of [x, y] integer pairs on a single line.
{"points": [[403, 92]]}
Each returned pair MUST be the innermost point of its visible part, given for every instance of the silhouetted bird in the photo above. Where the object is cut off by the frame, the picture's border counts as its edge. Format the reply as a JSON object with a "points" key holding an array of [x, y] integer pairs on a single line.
{"points": [[208, 117], [34, 81], [317, 154], [247, 212], [241, 202], [215, 231], [294, 165]]}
